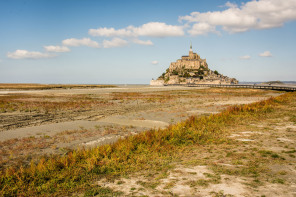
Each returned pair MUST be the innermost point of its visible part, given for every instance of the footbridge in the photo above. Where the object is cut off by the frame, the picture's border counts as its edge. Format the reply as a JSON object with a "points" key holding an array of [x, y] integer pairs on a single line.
{"points": [[284, 87]]}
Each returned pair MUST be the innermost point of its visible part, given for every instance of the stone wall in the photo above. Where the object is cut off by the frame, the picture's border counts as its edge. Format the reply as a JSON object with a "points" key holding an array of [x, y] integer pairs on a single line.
{"points": [[156, 82]]}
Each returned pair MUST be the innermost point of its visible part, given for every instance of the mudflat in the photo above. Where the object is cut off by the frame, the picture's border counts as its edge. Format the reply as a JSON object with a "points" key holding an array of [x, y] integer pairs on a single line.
{"points": [[35, 123], [62, 119]]}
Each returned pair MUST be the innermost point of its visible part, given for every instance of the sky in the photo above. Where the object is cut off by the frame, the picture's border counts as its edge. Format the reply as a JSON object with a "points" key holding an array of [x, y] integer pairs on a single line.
{"points": [[133, 41]]}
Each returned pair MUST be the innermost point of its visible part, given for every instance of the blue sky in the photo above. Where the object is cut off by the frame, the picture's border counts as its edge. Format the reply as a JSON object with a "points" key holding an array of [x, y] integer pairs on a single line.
{"points": [[133, 41]]}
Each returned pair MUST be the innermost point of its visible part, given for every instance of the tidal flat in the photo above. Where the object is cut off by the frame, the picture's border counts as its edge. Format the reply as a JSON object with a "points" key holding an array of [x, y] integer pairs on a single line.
{"points": [[256, 154]]}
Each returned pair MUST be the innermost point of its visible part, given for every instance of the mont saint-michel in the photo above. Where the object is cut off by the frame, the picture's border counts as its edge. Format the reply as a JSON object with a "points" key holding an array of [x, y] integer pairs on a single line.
{"points": [[192, 69]]}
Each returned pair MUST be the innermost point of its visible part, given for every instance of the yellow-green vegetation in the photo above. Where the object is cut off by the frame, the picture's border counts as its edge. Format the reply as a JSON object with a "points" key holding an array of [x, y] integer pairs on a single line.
{"points": [[78, 170], [36, 86], [45, 103], [29, 103]]}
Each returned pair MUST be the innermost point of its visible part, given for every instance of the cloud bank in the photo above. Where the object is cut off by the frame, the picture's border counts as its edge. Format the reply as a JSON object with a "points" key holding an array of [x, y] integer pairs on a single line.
{"points": [[151, 29], [24, 54], [255, 14], [109, 32], [74, 42], [57, 49], [262, 14], [142, 42], [115, 42]]}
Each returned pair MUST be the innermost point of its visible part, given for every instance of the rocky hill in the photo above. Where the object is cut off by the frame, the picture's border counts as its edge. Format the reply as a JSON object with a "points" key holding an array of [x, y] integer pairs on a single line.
{"points": [[192, 69]]}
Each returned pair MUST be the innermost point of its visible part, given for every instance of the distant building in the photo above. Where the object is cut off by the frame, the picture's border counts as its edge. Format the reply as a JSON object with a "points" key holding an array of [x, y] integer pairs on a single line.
{"points": [[192, 61], [191, 69]]}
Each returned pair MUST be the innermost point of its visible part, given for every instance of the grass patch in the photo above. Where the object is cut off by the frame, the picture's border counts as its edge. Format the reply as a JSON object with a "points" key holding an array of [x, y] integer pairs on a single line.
{"points": [[153, 149], [150, 184], [210, 179], [47, 104], [266, 153], [278, 180]]}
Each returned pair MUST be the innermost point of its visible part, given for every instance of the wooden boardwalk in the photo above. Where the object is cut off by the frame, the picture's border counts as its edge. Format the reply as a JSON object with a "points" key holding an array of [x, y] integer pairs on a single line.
{"points": [[288, 88]]}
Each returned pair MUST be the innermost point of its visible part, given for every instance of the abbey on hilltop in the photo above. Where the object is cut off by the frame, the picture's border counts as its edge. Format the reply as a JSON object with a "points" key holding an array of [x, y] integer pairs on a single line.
{"points": [[191, 69]]}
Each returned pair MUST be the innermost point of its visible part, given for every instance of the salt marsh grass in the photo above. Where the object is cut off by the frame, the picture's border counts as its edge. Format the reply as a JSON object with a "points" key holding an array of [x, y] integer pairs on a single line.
{"points": [[152, 150]]}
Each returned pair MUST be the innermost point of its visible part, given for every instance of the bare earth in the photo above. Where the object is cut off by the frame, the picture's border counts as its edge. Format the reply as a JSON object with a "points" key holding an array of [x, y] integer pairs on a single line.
{"points": [[133, 111], [113, 113]]}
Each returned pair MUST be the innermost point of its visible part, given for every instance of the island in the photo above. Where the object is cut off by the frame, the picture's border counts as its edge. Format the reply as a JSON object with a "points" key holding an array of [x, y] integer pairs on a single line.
{"points": [[191, 69]]}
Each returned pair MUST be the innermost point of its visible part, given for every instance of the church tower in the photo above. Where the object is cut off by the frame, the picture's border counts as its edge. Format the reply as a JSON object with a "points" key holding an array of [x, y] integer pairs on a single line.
{"points": [[191, 55]]}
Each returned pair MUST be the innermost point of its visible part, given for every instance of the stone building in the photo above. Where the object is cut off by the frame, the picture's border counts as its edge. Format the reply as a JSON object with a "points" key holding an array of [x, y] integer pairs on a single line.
{"points": [[191, 69], [192, 61]]}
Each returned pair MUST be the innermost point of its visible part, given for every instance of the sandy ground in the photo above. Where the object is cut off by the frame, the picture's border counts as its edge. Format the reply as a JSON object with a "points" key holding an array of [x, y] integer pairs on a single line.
{"points": [[134, 113], [134, 108], [120, 88], [123, 111]]}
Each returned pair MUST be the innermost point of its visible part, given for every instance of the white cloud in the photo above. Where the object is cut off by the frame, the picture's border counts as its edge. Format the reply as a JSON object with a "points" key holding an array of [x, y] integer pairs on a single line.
{"points": [[154, 62], [142, 42], [57, 49], [110, 32], [73, 42], [24, 54], [201, 29], [260, 14], [265, 54], [153, 29], [230, 5], [115, 42], [245, 57], [157, 29]]}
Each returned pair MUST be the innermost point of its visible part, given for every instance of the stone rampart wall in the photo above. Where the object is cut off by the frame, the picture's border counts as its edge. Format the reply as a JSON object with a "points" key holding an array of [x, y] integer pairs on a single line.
{"points": [[156, 82]]}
